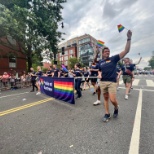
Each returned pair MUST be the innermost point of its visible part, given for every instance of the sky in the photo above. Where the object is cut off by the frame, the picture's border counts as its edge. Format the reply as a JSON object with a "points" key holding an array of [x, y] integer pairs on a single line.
{"points": [[100, 19]]}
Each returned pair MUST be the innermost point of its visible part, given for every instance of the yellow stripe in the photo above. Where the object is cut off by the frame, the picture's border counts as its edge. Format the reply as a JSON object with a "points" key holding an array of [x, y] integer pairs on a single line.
{"points": [[24, 107]]}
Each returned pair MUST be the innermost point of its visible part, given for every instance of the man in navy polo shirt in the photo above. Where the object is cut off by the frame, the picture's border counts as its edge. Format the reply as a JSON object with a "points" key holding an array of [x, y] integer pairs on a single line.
{"points": [[107, 73]]}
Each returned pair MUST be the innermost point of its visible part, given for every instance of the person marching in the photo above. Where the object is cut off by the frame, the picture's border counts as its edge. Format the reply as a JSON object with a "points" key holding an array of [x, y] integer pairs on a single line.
{"points": [[127, 75], [98, 101], [107, 73], [33, 80], [86, 76], [56, 72], [77, 73], [134, 67], [39, 73], [94, 73]]}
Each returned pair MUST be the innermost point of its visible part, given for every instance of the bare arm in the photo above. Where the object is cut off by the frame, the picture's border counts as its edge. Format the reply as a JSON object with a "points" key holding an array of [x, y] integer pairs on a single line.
{"points": [[139, 61], [128, 44], [95, 58]]}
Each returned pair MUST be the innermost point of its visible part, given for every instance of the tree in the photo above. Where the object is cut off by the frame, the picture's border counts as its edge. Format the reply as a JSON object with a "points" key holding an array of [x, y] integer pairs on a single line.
{"points": [[34, 24], [151, 62], [72, 61]]}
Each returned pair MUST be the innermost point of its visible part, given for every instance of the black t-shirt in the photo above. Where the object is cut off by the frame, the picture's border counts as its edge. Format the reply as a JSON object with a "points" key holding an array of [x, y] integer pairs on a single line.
{"points": [[33, 76], [49, 72], [39, 73], [108, 68], [78, 73], [56, 70], [94, 73], [86, 74]]}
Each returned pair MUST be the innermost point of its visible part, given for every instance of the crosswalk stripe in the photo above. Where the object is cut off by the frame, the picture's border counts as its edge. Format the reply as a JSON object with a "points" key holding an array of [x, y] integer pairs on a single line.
{"points": [[150, 83], [121, 82], [136, 82]]}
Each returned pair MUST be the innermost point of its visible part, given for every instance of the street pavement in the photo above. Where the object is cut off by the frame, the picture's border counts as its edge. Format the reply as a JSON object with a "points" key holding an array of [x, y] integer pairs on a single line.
{"points": [[31, 124]]}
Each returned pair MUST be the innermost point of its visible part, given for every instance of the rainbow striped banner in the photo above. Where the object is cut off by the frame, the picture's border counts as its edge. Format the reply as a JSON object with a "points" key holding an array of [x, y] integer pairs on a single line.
{"points": [[64, 89]]}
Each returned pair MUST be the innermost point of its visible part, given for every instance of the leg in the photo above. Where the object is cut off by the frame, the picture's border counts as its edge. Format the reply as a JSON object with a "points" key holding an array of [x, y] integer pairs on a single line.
{"points": [[106, 102]]}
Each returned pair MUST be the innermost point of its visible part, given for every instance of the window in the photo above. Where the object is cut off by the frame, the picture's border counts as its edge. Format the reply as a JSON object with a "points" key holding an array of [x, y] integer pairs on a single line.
{"points": [[71, 52], [12, 61], [66, 58], [66, 52]]}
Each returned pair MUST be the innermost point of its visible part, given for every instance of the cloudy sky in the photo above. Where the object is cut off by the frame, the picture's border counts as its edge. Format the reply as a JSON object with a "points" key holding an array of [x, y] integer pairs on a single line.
{"points": [[100, 19]]}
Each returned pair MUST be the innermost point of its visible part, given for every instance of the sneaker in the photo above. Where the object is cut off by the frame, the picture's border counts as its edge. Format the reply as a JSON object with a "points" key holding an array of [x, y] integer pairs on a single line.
{"points": [[94, 93], [106, 117], [126, 97], [115, 114], [38, 93], [98, 102]]}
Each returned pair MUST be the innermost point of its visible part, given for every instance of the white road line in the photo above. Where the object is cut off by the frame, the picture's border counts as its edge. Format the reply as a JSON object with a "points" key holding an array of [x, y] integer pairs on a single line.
{"points": [[150, 83], [13, 95], [120, 82], [135, 82], [135, 139]]}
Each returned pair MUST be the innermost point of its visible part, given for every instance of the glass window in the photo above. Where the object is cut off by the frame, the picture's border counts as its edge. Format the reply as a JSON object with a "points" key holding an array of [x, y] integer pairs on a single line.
{"points": [[12, 61], [71, 52], [66, 52], [66, 58]]}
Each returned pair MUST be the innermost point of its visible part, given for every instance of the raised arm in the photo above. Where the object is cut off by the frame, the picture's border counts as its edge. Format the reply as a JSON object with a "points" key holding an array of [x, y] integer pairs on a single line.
{"points": [[97, 52], [128, 44], [139, 61]]}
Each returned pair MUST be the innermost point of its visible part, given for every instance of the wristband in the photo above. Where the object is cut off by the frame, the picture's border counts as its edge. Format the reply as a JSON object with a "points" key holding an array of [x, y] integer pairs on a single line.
{"points": [[128, 39]]}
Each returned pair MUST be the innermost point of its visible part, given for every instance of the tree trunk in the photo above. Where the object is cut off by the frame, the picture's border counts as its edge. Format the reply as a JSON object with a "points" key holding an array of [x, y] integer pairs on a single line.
{"points": [[29, 57]]}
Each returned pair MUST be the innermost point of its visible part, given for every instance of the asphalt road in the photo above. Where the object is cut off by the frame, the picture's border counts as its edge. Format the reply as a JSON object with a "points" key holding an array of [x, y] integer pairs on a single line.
{"points": [[31, 124]]}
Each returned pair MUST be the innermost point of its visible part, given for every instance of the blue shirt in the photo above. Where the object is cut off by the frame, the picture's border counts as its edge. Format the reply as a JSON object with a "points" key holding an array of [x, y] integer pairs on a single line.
{"points": [[108, 68], [78, 72], [86, 74], [127, 69], [39, 73], [94, 73]]}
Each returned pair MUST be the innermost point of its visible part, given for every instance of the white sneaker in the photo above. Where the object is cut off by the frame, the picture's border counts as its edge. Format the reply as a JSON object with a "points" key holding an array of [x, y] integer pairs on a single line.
{"points": [[38, 93], [98, 102], [126, 96]]}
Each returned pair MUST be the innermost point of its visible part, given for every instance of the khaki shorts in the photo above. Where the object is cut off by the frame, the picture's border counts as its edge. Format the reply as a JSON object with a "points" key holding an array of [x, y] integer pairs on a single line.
{"points": [[127, 79], [108, 87]]}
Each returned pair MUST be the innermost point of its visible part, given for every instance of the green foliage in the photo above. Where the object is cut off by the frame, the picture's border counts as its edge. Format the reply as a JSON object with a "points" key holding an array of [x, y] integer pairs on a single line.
{"points": [[32, 23], [72, 61], [151, 62]]}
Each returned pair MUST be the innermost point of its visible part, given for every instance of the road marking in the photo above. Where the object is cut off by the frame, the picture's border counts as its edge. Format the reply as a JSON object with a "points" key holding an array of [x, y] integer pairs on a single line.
{"points": [[136, 82], [150, 83], [134, 144], [24, 107], [120, 82], [14, 95]]}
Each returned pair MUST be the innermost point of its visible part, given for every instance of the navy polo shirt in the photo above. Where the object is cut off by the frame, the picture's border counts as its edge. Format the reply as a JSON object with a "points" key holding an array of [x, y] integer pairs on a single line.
{"points": [[108, 68], [56, 70], [94, 73], [39, 73], [78, 72], [129, 67], [86, 74]]}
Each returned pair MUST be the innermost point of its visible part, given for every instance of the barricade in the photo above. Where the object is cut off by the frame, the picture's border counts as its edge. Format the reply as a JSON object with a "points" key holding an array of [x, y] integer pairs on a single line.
{"points": [[14, 84]]}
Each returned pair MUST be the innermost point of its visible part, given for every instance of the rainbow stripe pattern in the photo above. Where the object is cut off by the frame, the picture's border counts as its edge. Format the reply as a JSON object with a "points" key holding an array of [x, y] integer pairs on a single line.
{"points": [[64, 90], [100, 43], [120, 28]]}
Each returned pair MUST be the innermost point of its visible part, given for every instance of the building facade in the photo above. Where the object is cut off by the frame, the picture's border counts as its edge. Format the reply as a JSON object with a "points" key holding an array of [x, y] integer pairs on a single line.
{"points": [[12, 59], [85, 48]]}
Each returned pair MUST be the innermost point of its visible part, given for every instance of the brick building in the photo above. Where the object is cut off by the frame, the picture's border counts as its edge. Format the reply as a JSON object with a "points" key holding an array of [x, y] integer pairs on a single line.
{"points": [[85, 48], [12, 59]]}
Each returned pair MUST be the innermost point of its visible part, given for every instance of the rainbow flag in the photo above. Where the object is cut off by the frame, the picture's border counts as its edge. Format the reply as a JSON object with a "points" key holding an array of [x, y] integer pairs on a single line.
{"points": [[64, 90], [120, 28], [100, 43]]}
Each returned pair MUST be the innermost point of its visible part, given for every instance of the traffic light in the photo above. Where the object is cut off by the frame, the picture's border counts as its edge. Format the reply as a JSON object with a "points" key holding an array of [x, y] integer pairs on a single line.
{"points": [[62, 25], [63, 50]]}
